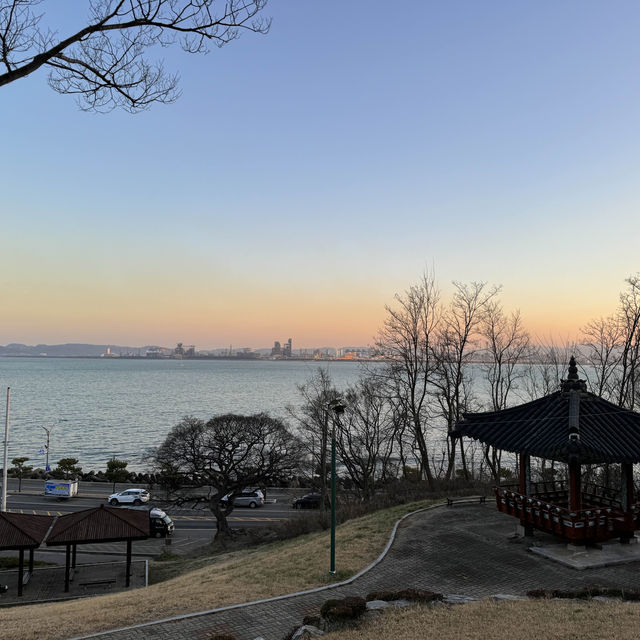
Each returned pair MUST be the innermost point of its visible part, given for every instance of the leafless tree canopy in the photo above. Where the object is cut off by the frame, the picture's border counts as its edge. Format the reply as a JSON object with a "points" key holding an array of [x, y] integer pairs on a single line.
{"points": [[104, 63], [613, 349], [227, 454]]}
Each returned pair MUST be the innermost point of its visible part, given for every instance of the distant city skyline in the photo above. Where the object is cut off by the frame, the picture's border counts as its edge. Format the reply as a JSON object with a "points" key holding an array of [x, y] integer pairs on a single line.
{"points": [[307, 175]]}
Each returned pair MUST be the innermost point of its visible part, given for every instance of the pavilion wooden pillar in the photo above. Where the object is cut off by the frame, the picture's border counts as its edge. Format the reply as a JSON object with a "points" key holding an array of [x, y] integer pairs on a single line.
{"points": [[575, 470], [128, 569], [73, 556], [31, 561], [20, 571], [628, 500], [575, 486], [67, 569], [524, 486]]}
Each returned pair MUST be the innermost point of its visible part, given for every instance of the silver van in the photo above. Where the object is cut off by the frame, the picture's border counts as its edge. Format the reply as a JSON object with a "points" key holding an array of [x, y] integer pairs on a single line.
{"points": [[251, 499]]}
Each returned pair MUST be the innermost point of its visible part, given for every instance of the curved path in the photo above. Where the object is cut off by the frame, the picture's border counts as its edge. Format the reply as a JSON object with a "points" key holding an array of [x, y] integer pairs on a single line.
{"points": [[464, 549]]}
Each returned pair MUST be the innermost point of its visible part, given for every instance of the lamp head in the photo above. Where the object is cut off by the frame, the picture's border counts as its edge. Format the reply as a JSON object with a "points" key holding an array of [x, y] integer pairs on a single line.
{"points": [[337, 406]]}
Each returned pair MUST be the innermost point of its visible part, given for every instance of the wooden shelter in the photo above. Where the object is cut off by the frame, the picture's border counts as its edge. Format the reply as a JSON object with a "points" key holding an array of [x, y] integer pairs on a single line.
{"points": [[574, 427], [101, 524], [19, 532]]}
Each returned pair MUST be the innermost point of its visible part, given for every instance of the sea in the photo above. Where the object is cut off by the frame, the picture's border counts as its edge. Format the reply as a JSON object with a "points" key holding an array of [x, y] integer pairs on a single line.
{"points": [[98, 408]]}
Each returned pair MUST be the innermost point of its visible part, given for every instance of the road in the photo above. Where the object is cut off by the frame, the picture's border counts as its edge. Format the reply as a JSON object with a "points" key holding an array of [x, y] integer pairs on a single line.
{"points": [[90, 494], [192, 527]]}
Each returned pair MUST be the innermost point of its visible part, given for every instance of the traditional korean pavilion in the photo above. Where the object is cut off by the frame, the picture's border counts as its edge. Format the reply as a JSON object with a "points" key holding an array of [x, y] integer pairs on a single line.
{"points": [[577, 428]]}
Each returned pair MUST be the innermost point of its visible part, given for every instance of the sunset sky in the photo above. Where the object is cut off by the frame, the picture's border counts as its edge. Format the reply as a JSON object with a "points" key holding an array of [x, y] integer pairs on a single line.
{"points": [[307, 175]]}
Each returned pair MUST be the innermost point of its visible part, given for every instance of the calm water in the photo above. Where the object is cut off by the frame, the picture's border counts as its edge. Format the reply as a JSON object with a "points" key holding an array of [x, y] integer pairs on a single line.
{"points": [[99, 408]]}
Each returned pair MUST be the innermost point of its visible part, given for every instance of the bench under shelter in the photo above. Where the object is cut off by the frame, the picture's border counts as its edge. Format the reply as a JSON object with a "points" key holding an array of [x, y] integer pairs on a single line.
{"points": [[98, 525]]}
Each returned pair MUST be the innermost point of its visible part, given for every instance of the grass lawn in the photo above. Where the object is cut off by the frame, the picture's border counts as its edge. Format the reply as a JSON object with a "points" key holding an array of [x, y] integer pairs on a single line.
{"points": [[239, 576], [557, 619]]}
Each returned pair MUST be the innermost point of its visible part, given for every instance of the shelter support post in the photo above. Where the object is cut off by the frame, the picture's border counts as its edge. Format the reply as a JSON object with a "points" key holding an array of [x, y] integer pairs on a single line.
{"points": [[67, 569], [575, 486], [73, 556], [31, 561], [128, 569], [525, 487], [20, 571], [628, 500]]}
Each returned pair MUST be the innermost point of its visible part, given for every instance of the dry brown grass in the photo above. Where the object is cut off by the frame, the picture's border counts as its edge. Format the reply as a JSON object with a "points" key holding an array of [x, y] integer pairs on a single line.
{"points": [[241, 576], [560, 620]]}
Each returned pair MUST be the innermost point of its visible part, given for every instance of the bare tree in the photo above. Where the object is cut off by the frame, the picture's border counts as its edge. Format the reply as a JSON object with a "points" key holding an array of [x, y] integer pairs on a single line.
{"points": [[456, 347], [314, 420], [104, 63], [603, 341], [225, 455], [547, 367], [366, 436], [508, 346], [406, 339], [628, 379], [613, 349]]}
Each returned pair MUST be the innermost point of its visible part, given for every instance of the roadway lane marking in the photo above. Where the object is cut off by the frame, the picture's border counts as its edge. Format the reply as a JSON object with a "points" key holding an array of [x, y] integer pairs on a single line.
{"points": [[37, 513], [177, 518]]}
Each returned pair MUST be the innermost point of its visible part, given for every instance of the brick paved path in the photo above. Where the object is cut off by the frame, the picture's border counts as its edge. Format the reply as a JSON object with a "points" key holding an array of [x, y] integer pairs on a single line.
{"points": [[464, 550]]}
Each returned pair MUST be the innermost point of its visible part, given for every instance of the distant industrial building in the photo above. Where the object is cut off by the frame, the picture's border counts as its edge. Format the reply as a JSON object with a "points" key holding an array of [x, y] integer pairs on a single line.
{"points": [[281, 352]]}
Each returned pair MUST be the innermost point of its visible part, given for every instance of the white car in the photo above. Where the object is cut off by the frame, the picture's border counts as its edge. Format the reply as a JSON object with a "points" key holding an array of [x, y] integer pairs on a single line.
{"points": [[130, 496]]}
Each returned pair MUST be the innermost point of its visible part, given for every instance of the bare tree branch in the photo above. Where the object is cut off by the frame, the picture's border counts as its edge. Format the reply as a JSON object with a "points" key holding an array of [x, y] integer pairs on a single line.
{"points": [[105, 63]]}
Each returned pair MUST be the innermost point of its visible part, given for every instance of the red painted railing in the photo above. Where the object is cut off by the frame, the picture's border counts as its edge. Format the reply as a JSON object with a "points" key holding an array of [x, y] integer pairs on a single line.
{"points": [[594, 524]]}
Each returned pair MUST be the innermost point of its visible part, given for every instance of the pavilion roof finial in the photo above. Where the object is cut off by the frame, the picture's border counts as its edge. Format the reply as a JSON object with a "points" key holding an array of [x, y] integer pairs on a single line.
{"points": [[573, 381]]}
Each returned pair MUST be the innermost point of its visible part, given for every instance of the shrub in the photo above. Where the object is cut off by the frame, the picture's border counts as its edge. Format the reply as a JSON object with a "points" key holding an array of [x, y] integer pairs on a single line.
{"points": [[381, 595], [414, 595], [348, 608], [329, 604], [356, 604], [417, 595]]}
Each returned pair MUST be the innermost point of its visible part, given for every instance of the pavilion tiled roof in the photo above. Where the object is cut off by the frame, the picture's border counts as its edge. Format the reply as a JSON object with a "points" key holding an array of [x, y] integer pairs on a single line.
{"points": [[606, 432], [22, 530], [102, 524]]}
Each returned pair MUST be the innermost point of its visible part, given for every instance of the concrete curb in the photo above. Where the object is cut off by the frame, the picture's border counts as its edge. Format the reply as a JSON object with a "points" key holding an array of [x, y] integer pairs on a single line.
{"points": [[275, 598]]}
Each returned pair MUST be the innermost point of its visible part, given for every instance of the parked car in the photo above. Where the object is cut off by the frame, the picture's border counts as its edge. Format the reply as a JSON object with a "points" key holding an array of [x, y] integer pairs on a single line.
{"points": [[160, 525], [251, 499], [130, 496], [309, 501]]}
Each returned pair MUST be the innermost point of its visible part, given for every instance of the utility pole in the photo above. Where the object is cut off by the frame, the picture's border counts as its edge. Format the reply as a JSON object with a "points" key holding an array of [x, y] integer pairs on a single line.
{"points": [[3, 507]]}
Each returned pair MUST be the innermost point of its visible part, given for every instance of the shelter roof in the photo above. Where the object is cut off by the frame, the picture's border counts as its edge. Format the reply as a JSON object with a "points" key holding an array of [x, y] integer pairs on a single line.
{"points": [[602, 432], [101, 524], [22, 530]]}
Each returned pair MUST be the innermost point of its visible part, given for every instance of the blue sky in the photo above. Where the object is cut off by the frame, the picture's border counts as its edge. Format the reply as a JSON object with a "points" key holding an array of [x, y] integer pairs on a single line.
{"points": [[305, 176]]}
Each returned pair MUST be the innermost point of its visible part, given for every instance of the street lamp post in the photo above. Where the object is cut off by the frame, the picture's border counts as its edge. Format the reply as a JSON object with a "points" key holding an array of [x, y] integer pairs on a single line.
{"points": [[3, 507], [338, 408]]}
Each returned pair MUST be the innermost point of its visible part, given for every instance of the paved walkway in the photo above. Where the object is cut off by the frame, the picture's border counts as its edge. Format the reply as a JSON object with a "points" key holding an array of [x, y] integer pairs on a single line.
{"points": [[47, 583], [466, 549]]}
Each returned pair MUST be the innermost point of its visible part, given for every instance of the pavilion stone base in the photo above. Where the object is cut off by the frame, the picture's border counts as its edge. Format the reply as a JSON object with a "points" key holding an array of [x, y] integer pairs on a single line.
{"points": [[590, 557]]}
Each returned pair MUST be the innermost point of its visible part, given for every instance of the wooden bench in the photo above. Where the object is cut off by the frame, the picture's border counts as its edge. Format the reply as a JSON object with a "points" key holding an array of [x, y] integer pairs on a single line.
{"points": [[466, 500], [96, 583]]}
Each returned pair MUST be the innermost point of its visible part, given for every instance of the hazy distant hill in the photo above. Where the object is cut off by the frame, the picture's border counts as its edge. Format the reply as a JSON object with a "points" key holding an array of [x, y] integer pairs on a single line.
{"points": [[67, 350]]}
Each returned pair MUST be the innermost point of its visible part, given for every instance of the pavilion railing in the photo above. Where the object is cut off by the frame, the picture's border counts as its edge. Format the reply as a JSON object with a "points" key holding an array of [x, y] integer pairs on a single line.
{"points": [[557, 491], [586, 525]]}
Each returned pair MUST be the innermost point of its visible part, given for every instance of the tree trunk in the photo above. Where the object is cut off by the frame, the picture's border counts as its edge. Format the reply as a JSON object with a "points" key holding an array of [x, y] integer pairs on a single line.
{"points": [[220, 512]]}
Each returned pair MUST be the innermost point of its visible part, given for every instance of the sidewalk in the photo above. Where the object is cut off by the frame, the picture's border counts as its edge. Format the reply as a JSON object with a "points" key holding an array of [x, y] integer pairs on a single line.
{"points": [[467, 550]]}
